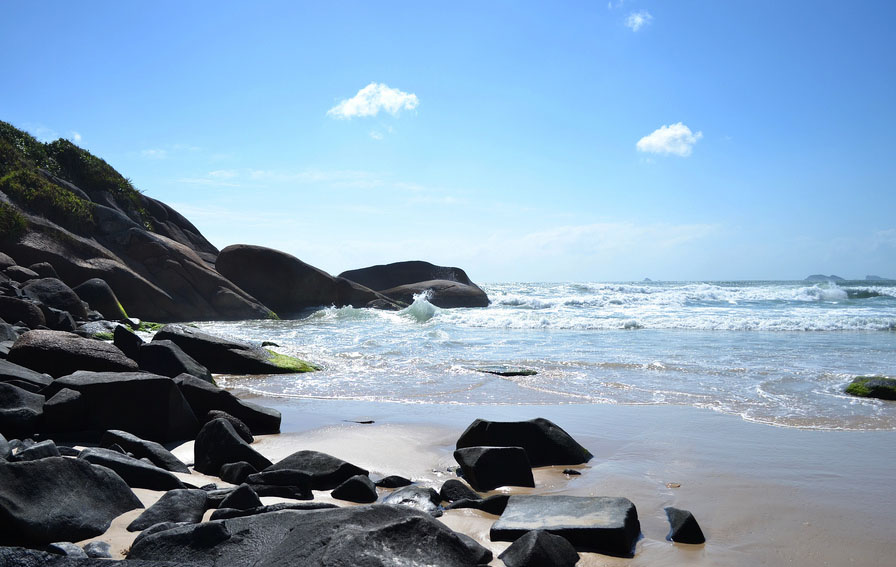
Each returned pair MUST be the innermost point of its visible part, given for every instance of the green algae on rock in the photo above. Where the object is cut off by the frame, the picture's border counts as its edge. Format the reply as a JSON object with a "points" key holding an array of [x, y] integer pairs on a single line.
{"points": [[291, 363], [873, 387]]}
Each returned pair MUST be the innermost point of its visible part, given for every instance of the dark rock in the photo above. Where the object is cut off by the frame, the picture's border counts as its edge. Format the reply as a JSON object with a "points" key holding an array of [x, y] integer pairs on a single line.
{"points": [[572, 472], [225, 356], [286, 284], [590, 523], [44, 270], [65, 411], [453, 489], [59, 499], [873, 387], [167, 359], [59, 320], [54, 293], [15, 310], [154, 529], [146, 405], [545, 443], [58, 353], [7, 332], [326, 471], [218, 444], [179, 505], [283, 491], [241, 428], [505, 370], [20, 274], [5, 450], [225, 513], [21, 411], [481, 555], [67, 549], [236, 473], [137, 473], [444, 294], [127, 341], [243, 498], [67, 451], [98, 550], [417, 498], [371, 535], [486, 468], [204, 397], [400, 281], [42, 450], [23, 377], [539, 548], [140, 448], [358, 488], [492, 505], [97, 293], [281, 477], [393, 481], [684, 527], [6, 261]]}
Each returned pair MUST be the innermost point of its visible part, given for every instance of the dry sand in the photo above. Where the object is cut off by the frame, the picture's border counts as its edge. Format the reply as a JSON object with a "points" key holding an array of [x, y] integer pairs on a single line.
{"points": [[763, 495]]}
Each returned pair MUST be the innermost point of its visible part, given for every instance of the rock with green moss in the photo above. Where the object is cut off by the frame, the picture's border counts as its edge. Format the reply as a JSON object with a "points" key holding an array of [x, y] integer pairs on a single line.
{"points": [[873, 387]]}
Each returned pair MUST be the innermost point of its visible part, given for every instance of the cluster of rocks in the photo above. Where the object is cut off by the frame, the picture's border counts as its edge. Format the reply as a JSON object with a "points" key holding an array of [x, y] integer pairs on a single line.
{"points": [[51, 496]]}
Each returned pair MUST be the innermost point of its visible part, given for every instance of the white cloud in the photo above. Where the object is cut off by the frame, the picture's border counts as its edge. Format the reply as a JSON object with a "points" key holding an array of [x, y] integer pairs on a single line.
{"points": [[154, 153], [637, 20], [223, 173], [674, 139], [75, 136], [372, 99], [376, 134]]}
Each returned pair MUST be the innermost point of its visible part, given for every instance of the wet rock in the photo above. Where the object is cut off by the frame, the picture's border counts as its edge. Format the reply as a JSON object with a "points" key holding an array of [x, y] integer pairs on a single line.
{"points": [[684, 527], [487, 468], [326, 471], [603, 524], [135, 472], [98, 550], [218, 444], [538, 548], [59, 353], [417, 498], [449, 287], [59, 499], [454, 489], [140, 448], [873, 387], [358, 488], [495, 504], [393, 481], [180, 505], [545, 442]]}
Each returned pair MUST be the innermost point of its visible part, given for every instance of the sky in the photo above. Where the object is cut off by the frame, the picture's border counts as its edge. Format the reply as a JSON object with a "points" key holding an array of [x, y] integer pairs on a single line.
{"points": [[521, 141]]}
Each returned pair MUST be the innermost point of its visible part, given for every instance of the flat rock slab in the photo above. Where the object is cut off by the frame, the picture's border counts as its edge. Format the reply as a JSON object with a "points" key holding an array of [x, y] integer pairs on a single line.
{"points": [[602, 524]]}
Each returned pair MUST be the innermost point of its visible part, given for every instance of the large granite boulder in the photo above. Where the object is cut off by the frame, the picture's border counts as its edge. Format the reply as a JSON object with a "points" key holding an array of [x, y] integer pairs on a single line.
{"points": [[168, 359], [545, 442], [286, 284], [873, 387], [59, 353], [358, 488], [54, 293], [217, 444], [372, 536], [59, 499], [401, 281], [21, 411], [327, 472], [205, 397], [97, 293], [178, 505], [228, 356], [135, 472], [487, 468], [603, 524], [14, 309], [147, 405]]}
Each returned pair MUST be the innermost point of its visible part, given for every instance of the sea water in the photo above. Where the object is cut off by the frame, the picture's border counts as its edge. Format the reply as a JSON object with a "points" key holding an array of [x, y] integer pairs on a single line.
{"points": [[773, 352]]}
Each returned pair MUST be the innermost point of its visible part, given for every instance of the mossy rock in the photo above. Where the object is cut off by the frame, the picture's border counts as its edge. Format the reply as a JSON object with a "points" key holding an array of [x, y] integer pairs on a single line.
{"points": [[104, 336], [873, 387], [291, 363]]}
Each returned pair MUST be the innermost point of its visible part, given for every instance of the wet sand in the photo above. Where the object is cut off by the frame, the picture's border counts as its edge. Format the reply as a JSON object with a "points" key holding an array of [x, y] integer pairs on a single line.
{"points": [[763, 495]]}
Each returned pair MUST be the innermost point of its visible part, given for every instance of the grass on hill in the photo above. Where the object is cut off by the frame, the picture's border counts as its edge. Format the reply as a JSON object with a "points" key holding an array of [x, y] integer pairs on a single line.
{"points": [[34, 193], [12, 222]]}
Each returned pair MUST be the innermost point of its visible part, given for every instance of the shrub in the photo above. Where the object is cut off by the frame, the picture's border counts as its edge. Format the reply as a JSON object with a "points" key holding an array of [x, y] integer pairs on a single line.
{"points": [[34, 193], [12, 222]]}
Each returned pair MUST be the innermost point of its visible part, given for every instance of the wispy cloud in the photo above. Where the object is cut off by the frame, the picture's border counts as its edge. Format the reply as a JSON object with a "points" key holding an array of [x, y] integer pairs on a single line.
{"points": [[372, 99], [154, 153], [637, 20], [376, 134], [75, 136], [676, 139]]}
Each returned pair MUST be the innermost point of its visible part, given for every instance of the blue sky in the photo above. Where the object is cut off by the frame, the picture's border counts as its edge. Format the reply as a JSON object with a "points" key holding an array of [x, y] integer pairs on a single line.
{"points": [[528, 141]]}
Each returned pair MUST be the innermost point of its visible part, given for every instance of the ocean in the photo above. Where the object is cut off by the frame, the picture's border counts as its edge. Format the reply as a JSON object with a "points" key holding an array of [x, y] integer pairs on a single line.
{"points": [[774, 352]]}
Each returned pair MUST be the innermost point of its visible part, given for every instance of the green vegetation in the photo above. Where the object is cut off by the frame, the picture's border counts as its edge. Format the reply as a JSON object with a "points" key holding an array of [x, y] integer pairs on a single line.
{"points": [[30, 190], [873, 387], [148, 326], [104, 336], [21, 152], [12, 223], [290, 363]]}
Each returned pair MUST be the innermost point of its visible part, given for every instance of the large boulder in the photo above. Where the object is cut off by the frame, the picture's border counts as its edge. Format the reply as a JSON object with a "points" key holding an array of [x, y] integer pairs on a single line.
{"points": [[539, 548], [217, 444], [137, 473], [401, 281], [286, 284], [142, 448], [59, 353], [603, 524], [205, 397], [372, 536], [168, 359], [873, 387], [14, 309], [147, 405], [59, 499], [327, 472], [54, 293], [487, 468], [97, 293], [20, 411], [178, 505], [227, 356], [545, 442], [22, 377]]}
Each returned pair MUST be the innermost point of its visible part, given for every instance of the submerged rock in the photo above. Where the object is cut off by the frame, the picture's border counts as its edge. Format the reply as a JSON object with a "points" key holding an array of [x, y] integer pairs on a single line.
{"points": [[873, 387]]}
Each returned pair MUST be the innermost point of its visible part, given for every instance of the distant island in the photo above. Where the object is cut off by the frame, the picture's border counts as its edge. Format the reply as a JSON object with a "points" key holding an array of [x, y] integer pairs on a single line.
{"points": [[833, 278]]}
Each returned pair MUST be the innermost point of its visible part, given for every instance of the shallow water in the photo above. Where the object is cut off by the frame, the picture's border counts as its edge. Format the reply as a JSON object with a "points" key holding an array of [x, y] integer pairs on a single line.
{"points": [[772, 352]]}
